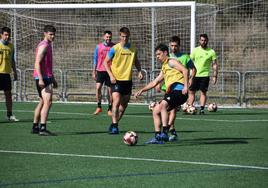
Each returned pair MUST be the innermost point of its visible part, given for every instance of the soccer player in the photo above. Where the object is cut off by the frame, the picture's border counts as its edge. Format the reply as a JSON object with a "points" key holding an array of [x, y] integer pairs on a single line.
{"points": [[100, 74], [184, 59], [45, 81], [7, 65], [203, 57], [123, 55], [175, 77]]}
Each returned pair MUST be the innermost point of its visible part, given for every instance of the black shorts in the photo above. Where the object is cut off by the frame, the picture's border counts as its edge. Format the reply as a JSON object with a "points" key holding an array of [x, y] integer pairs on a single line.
{"points": [[122, 87], [175, 98], [103, 77], [199, 83], [5, 81], [47, 82]]}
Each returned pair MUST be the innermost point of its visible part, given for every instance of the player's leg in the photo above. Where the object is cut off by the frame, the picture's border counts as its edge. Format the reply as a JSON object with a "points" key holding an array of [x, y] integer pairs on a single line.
{"points": [[6, 86], [204, 83], [192, 91], [123, 105], [171, 125], [203, 99], [110, 101], [37, 114], [98, 98], [113, 129], [47, 102], [174, 100], [191, 98], [157, 126], [110, 98]]}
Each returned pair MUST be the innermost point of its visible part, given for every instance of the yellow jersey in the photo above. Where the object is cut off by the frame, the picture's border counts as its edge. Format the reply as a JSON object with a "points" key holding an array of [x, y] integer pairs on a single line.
{"points": [[171, 75], [6, 57], [122, 62]]}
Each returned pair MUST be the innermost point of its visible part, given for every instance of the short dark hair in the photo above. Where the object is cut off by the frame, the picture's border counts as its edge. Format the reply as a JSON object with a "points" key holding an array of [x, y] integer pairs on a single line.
{"points": [[204, 35], [5, 29], [49, 28], [162, 47], [124, 30], [175, 39], [107, 32]]}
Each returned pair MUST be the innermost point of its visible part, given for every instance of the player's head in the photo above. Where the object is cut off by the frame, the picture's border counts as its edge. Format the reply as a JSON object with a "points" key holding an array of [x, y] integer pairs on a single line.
{"points": [[5, 34], [174, 44], [107, 36], [124, 35], [161, 52], [203, 40], [49, 32]]}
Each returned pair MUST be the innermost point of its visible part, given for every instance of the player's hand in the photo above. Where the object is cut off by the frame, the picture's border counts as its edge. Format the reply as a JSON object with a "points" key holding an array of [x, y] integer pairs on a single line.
{"points": [[140, 75], [158, 88], [190, 82], [113, 80], [138, 93], [94, 75], [184, 91], [41, 84], [214, 80]]}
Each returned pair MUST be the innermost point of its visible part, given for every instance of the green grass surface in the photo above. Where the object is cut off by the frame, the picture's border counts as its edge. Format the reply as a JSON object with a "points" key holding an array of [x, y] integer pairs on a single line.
{"points": [[228, 148]]}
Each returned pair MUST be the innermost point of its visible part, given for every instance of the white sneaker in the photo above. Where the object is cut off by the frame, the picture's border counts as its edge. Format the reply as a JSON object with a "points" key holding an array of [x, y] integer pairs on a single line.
{"points": [[12, 118]]}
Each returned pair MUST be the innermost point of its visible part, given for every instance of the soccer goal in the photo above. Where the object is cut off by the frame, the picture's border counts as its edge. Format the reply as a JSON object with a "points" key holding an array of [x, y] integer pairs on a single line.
{"points": [[80, 27]]}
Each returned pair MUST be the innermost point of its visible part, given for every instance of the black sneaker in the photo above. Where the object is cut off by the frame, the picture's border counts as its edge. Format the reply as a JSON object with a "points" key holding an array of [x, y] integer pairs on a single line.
{"points": [[35, 130], [201, 112], [46, 133]]}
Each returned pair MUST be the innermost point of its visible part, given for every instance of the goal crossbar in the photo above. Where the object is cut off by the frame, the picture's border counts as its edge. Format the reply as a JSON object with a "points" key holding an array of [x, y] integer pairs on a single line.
{"points": [[97, 5]]}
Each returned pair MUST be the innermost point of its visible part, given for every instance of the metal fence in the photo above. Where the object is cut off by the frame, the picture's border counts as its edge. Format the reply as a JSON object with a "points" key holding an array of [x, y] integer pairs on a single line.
{"points": [[232, 88]]}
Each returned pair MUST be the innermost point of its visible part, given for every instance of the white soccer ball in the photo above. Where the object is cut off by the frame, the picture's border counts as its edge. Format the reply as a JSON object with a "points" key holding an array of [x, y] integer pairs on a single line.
{"points": [[212, 107], [130, 138], [191, 110], [184, 107], [151, 106]]}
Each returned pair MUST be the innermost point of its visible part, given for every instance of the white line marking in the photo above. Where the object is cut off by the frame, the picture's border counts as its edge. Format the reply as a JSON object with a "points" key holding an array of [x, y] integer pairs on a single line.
{"points": [[126, 115], [134, 159]]}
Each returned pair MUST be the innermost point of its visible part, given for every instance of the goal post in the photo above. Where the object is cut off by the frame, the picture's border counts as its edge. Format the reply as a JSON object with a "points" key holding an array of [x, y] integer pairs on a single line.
{"points": [[80, 27]]}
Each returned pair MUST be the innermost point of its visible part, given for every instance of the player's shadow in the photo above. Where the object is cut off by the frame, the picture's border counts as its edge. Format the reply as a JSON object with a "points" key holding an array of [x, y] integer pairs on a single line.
{"points": [[213, 141], [81, 133]]}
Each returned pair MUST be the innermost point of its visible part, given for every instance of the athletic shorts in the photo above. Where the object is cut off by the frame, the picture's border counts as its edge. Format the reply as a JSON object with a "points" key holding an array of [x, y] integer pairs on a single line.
{"points": [[122, 87], [103, 77], [175, 98], [5, 81], [199, 83], [47, 82]]}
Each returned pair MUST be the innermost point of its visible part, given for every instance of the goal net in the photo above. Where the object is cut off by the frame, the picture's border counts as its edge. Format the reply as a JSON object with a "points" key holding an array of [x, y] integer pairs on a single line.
{"points": [[80, 27]]}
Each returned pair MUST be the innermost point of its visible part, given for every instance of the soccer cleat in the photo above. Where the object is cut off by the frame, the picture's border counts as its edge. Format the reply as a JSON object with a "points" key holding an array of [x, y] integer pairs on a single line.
{"points": [[109, 113], [201, 112], [154, 140], [113, 129], [164, 137], [12, 118], [172, 138], [46, 133], [35, 130], [97, 111]]}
